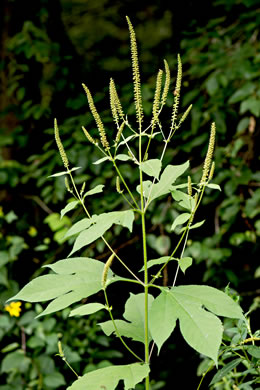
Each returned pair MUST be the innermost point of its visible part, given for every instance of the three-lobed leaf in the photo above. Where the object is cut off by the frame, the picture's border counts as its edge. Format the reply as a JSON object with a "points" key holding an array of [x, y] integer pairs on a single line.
{"points": [[201, 329]]}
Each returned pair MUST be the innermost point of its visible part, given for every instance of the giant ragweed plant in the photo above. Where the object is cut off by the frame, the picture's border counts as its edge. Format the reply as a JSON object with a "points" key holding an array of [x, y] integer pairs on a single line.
{"points": [[151, 315]]}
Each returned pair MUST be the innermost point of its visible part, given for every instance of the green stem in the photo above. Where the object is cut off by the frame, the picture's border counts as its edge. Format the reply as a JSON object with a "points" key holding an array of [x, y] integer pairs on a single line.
{"points": [[116, 329], [146, 329]]}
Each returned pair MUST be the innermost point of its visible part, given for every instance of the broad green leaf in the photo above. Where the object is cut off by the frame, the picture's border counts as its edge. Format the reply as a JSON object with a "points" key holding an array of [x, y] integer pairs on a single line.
{"points": [[185, 262], [76, 278], [201, 329], [162, 319], [47, 287], [134, 314], [254, 351], [100, 224], [252, 105], [64, 172], [164, 186], [168, 177], [242, 93], [70, 206], [107, 378], [96, 190], [214, 186], [79, 226], [181, 219], [87, 309], [101, 160], [198, 224], [64, 301], [225, 370], [184, 200], [152, 167]]}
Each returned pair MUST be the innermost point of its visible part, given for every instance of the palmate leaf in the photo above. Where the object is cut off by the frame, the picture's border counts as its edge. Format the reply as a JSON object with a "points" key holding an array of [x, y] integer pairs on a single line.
{"points": [[201, 329], [107, 378], [93, 228], [74, 279], [134, 314]]}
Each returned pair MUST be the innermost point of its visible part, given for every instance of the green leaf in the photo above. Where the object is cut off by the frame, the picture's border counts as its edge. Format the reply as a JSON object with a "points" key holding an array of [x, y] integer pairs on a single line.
{"points": [[108, 377], [214, 186], [201, 329], [134, 314], [162, 319], [164, 186], [47, 287], [162, 244], [70, 206], [76, 278], [101, 160], [54, 380], [96, 190], [123, 157], [252, 105], [64, 172], [242, 93], [184, 200], [100, 224], [254, 351], [15, 361], [185, 262], [79, 226], [181, 219], [152, 167], [160, 260], [198, 224], [66, 300], [87, 309], [225, 370]]}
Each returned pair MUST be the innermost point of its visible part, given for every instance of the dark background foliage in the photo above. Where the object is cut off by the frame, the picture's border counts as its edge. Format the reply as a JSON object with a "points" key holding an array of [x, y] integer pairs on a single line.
{"points": [[47, 50]]}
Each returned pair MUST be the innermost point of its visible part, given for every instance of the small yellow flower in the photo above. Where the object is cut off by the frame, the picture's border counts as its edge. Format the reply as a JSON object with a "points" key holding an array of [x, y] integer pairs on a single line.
{"points": [[14, 309], [32, 231], [1, 212]]}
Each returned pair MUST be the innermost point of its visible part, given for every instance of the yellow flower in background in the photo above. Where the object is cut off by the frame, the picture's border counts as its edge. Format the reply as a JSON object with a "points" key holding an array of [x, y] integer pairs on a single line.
{"points": [[1, 212], [32, 231], [14, 309]]}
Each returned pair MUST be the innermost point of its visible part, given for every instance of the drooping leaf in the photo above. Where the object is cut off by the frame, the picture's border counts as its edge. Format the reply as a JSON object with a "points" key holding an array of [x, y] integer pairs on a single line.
{"points": [[100, 224], [134, 314], [79, 226], [107, 378], [152, 167], [64, 301], [201, 329], [185, 262], [70, 206], [181, 219], [87, 309]]}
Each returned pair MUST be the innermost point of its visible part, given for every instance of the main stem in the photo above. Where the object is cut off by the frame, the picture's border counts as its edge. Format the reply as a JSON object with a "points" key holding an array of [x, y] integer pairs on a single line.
{"points": [[146, 334]]}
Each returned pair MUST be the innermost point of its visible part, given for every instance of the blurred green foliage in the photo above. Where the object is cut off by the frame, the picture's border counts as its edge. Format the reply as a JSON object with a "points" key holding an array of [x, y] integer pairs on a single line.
{"points": [[47, 52]]}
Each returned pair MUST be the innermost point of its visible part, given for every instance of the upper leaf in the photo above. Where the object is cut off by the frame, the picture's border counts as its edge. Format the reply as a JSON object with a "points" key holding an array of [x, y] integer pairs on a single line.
{"points": [[98, 225], [108, 377], [164, 186], [152, 167]]}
